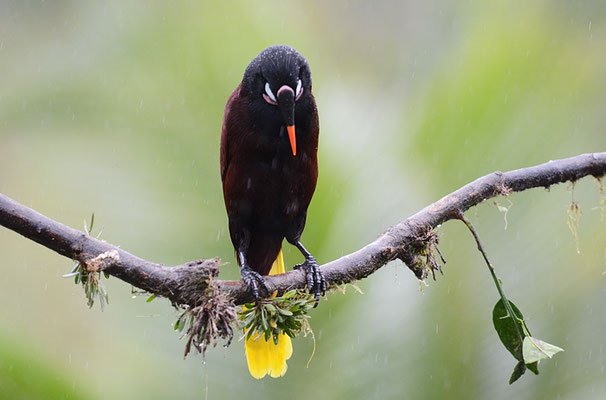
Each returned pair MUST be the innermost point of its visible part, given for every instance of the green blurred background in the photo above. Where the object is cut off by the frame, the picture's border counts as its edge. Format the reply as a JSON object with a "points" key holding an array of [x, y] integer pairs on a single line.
{"points": [[115, 107]]}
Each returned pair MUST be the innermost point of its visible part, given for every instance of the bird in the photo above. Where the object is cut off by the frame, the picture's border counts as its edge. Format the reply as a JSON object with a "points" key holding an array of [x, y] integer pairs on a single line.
{"points": [[269, 170]]}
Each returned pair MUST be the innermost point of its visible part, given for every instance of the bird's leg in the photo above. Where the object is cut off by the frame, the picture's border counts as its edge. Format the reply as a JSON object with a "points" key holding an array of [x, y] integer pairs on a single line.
{"points": [[253, 279], [315, 278]]}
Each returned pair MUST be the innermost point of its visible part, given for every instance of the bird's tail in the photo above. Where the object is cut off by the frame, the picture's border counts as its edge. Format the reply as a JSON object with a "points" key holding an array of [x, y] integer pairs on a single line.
{"points": [[264, 356]]}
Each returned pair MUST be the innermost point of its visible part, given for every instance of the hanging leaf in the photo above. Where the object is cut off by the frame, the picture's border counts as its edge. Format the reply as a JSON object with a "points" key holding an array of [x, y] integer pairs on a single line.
{"points": [[513, 337], [534, 367], [535, 350], [518, 371], [510, 332]]}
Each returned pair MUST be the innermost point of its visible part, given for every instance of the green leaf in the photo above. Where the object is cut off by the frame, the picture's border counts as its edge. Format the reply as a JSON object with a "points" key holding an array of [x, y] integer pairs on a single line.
{"points": [[284, 312], [507, 329], [150, 298], [518, 371], [534, 367], [270, 308], [536, 350]]}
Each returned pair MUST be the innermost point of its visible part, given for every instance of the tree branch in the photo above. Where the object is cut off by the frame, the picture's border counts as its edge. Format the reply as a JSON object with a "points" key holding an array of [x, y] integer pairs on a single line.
{"points": [[184, 284]]}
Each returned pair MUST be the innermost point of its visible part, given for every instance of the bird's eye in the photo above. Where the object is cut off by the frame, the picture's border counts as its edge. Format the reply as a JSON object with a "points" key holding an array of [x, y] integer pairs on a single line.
{"points": [[270, 93], [299, 88]]}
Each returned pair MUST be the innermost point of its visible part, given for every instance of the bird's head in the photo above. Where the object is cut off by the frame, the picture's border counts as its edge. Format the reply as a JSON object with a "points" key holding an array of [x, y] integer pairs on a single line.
{"points": [[277, 83]]}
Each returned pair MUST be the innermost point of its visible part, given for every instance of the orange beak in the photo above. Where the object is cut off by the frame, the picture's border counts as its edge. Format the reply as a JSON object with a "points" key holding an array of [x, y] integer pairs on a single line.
{"points": [[292, 138]]}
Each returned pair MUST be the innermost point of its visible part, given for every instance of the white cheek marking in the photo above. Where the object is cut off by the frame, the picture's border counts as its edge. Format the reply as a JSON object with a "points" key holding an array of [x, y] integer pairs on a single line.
{"points": [[270, 93]]}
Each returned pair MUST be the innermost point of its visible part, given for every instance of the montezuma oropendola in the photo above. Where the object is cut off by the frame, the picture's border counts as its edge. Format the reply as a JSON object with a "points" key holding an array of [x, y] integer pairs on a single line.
{"points": [[269, 164], [269, 169]]}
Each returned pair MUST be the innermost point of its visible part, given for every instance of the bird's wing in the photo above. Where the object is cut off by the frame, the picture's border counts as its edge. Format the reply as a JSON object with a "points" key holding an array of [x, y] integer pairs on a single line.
{"points": [[224, 154]]}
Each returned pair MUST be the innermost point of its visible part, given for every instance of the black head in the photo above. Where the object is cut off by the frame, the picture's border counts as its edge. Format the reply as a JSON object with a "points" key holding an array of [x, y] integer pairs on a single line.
{"points": [[277, 84]]}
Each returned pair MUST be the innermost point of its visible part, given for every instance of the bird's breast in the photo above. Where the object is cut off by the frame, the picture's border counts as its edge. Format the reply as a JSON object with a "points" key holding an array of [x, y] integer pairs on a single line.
{"points": [[288, 181]]}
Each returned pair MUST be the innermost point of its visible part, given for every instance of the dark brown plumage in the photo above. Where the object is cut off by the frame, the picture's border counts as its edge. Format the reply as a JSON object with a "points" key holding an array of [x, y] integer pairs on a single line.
{"points": [[269, 165]]}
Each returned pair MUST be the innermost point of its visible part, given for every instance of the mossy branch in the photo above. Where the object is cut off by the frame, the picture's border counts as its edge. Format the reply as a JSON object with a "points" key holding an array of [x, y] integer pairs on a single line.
{"points": [[185, 284]]}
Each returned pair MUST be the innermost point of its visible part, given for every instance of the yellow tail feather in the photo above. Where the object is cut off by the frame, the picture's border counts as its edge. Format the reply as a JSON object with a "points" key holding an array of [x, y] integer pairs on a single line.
{"points": [[264, 357]]}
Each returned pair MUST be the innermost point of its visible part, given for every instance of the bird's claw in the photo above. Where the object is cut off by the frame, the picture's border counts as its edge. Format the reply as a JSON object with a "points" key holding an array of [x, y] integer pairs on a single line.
{"points": [[316, 283], [254, 281]]}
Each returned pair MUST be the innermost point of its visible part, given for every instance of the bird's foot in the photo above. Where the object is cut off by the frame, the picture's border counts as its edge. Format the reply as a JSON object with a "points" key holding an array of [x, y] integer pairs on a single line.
{"points": [[316, 283], [254, 281]]}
